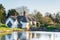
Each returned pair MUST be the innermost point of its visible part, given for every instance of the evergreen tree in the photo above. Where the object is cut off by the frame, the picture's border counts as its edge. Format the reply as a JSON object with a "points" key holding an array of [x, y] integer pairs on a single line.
{"points": [[1, 11]]}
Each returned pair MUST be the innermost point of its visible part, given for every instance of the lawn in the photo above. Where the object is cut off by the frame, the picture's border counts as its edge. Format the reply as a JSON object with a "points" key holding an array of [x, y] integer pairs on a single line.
{"points": [[3, 29]]}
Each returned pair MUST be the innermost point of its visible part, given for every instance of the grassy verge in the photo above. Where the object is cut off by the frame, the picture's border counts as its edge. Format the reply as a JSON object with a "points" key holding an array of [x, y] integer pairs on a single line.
{"points": [[18, 29], [3, 29]]}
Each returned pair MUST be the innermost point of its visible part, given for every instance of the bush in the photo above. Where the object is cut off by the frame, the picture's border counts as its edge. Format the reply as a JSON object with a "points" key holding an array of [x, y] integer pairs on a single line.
{"points": [[51, 28], [58, 25], [46, 25], [3, 25], [38, 24]]}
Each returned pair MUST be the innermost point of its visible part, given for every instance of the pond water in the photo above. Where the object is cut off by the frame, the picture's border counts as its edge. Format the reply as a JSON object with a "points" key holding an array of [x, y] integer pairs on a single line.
{"points": [[31, 35]]}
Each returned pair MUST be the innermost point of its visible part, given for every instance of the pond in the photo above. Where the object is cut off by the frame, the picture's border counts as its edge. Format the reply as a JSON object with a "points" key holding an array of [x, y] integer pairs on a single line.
{"points": [[31, 35]]}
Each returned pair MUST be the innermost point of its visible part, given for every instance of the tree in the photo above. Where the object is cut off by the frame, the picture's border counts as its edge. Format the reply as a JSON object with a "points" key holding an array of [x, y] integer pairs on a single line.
{"points": [[3, 17], [47, 14], [52, 16], [38, 17], [20, 10], [46, 20], [11, 12], [1, 11], [57, 17]]}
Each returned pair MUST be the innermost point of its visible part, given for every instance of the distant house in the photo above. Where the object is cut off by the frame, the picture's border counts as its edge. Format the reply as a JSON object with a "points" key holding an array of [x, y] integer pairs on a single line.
{"points": [[11, 22], [22, 21]]}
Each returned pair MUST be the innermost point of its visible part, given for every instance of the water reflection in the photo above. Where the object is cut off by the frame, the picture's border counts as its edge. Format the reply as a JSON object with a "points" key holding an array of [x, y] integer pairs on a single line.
{"points": [[39, 36], [57, 36], [8, 37], [2, 38], [21, 36], [31, 36], [16, 36]]}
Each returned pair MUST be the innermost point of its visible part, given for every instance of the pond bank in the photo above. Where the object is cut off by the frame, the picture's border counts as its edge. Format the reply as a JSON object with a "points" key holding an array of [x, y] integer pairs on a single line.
{"points": [[48, 29], [7, 30]]}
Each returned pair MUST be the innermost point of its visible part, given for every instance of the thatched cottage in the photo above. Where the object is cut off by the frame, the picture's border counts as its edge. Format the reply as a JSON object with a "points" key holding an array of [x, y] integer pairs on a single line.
{"points": [[20, 21]]}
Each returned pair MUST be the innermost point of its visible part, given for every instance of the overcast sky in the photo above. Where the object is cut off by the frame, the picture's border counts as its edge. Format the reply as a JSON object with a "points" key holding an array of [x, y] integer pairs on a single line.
{"points": [[40, 5]]}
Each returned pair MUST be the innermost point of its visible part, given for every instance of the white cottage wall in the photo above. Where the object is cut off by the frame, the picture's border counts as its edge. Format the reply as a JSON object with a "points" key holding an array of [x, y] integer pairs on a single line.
{"points": [[9, 19], [15, 24], [24, 24]]}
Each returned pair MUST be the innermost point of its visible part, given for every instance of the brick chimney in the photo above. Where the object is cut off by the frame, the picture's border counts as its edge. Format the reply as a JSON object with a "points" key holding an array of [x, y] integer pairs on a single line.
{"points": [[24, 13]]}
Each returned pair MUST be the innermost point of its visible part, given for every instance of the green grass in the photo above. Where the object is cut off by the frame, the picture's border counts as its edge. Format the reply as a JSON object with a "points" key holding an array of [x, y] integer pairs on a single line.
{"points": [[3, 29], [18, 29]]}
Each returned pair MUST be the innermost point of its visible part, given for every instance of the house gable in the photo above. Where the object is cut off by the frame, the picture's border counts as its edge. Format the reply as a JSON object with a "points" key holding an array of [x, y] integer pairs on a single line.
{"points": [[9, 22]]}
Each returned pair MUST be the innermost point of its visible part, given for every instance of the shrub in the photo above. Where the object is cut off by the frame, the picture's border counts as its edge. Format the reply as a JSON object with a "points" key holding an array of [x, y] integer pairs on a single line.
{"points": [[46, 25], [38, 24], [58, 25], [3, 25], [51, 28]]}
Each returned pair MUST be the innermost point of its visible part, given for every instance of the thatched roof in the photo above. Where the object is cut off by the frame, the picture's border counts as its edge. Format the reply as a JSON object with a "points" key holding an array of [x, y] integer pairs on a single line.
{"points": [[51, 23], [47, 20]]}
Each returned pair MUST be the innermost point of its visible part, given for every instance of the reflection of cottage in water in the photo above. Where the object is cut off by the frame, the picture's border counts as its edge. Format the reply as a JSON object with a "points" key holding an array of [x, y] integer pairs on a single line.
{"points": [[22, 21]]}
